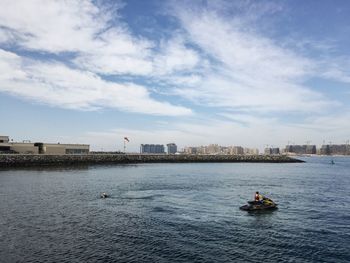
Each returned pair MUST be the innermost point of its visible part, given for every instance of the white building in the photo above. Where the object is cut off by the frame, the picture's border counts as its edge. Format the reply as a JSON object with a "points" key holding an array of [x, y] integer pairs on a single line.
{"points": [[41, 148]]}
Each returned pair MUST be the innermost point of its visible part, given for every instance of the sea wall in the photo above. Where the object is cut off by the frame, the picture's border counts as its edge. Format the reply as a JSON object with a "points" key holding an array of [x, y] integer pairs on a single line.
{"points": [[20, 160]]}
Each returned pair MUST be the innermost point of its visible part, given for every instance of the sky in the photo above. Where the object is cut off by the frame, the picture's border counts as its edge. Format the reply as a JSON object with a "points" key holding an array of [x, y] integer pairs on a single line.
{"points": [[249, 73]]}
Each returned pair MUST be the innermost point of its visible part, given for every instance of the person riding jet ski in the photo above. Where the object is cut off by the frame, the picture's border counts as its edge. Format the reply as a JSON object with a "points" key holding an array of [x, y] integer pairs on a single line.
{"points": [[260, 203], [258, 197]]}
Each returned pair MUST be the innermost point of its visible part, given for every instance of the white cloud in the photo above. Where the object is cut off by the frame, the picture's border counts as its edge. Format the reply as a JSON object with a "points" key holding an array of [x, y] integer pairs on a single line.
{"points": [[218, 59], [243, 52], [248, 71], [117, 52], [114, 65], [56, 84], [336, 69], [224, 92], [86, 29], [98, 45], [184, 80], [80, 27], [4, 36], [52, 26], [175, 56]]}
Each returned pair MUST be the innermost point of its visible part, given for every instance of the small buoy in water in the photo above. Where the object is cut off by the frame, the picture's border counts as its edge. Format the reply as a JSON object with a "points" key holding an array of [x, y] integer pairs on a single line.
{"points": [[104, 195]]}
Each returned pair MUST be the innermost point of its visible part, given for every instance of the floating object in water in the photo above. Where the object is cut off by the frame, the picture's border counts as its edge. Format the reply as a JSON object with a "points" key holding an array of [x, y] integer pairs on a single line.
{"points": [[332, 162], [104, 195], [265, 204]]}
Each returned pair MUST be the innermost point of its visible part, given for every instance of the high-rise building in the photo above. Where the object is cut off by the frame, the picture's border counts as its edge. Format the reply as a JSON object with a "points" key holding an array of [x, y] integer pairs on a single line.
{"points": [[217, 149], [251, 151], [236, 150], [172, 148], [152, 148], [301, 149], [190, 150], [272, 151], [342, 149], [311, 149], [213, 148]]}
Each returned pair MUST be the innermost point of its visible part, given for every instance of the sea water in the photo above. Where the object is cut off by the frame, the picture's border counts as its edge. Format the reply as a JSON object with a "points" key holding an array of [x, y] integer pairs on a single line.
{"points": [[177, 213]]}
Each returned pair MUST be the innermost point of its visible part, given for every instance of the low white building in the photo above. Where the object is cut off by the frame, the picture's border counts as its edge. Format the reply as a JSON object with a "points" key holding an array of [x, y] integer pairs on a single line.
{"points": [[41, 148], [4, 139]]}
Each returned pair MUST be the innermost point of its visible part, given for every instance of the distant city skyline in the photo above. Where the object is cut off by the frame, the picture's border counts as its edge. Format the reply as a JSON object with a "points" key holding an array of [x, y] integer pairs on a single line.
{"points": [[249, 73], [8, 146]]}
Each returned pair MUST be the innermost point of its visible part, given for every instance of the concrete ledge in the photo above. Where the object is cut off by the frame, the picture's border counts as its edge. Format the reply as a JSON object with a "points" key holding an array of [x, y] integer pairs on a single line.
{"points": [[23, 160]]}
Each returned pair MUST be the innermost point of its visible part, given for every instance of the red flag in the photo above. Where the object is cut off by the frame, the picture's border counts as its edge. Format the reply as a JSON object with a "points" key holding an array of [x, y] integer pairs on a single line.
{"points": [[126, 139]]}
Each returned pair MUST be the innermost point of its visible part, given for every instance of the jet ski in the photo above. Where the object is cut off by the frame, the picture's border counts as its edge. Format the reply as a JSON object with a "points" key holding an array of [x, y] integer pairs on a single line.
{"points": [[264, 204]]}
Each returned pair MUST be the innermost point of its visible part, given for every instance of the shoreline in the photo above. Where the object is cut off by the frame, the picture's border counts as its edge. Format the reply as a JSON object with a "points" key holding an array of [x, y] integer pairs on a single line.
{"points": [[32, 160]]}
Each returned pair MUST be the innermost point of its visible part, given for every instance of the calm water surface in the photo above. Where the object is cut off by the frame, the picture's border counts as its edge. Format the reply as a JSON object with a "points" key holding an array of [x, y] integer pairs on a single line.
{"points": [[176, 213]]}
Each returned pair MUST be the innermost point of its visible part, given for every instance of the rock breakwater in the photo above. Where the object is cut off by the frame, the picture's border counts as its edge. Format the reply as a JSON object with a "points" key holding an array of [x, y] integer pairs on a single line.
{"points": [[23, 160]]}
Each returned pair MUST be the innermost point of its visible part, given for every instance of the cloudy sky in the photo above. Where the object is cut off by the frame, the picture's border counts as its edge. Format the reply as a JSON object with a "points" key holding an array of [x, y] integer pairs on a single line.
{"points": [[250, 73]]}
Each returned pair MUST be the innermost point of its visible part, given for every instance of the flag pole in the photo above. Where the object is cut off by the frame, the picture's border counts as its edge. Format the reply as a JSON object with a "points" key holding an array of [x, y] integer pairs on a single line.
{"points": [[125, 140]]}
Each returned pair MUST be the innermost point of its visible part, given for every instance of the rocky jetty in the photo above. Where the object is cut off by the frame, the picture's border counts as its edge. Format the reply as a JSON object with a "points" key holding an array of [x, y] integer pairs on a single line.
{"points": [[23, 160]]}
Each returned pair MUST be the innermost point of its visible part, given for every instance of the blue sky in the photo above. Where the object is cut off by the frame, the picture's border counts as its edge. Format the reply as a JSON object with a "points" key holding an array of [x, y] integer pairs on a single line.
{"points": [[250, 73]]}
